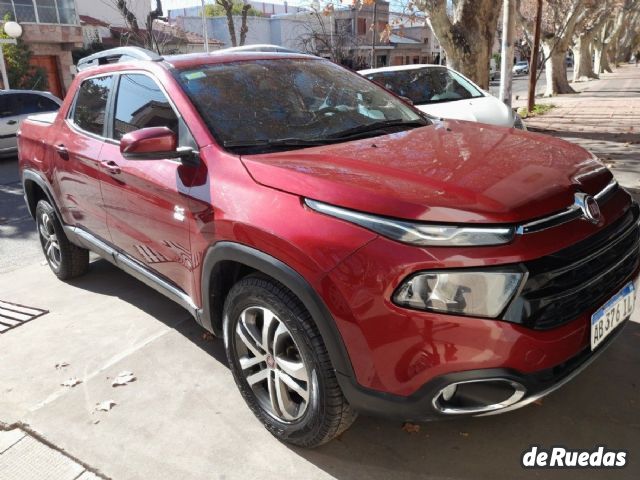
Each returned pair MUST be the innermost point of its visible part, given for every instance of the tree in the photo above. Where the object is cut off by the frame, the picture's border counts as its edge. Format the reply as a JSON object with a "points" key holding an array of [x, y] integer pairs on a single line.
{"points": [[466, 34], [146, 37], [20, 73], [559, 21], [598, 14], [229, 8], [319, 39]]}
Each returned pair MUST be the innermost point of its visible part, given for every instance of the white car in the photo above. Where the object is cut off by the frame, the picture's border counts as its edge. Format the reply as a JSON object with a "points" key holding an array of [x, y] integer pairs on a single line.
{"points": [[15, 106], [443, 92], [521, 68]]}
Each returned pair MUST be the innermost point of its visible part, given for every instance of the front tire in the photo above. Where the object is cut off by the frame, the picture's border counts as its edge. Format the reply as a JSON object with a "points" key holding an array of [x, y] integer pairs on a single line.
{"points": [[65, 259], [281, 364]]}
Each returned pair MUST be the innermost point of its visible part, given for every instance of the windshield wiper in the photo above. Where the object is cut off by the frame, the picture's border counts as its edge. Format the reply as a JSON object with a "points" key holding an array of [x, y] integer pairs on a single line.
{"points": [[380, 126], [276, 142]]}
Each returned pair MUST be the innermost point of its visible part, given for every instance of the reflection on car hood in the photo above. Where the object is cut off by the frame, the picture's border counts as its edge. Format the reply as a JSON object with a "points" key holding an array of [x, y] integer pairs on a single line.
{"points": [[482, 109], [449, 172]]}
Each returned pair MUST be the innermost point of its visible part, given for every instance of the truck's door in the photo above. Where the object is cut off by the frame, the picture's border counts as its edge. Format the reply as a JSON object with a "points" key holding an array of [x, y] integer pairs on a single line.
{"points": [[146, 200], [77, 142]]}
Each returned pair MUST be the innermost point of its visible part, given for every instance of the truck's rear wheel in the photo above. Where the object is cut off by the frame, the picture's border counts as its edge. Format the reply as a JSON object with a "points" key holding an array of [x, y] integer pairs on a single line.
{"points": [[65, 259], [281, 365]]}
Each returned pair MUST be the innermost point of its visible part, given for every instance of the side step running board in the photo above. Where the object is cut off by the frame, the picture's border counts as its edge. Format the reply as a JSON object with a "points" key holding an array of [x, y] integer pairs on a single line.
{"points": [[132, 267]]}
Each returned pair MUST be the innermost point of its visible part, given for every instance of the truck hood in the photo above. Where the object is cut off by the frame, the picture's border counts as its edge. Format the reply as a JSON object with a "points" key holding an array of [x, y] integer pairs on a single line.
{"points": [[451, 171]]}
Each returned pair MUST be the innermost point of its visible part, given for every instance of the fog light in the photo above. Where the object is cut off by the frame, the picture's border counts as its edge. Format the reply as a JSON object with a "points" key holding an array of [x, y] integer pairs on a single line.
{"points": [[449, 392]]}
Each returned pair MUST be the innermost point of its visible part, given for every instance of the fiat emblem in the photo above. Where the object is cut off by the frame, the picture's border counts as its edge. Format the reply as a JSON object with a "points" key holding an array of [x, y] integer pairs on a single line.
{"points": [[589, 207]]}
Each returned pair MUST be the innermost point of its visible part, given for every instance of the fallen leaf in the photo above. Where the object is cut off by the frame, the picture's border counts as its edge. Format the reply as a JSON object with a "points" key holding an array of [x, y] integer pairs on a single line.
{"points": [[95, 422], [464, 434], [123, 378], [105, 406], [61, 365], [208, 336], [410, 427], [72, 382], [538, 402]]}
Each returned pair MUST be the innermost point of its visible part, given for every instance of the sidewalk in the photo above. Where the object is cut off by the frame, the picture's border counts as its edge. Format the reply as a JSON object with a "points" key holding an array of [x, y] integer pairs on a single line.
{"points": [[603, 118], [183, 417]]}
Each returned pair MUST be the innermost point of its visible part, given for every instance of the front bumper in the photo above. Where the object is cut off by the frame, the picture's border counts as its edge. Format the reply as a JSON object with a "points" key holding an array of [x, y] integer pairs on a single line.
{"points": [[422, 405]]}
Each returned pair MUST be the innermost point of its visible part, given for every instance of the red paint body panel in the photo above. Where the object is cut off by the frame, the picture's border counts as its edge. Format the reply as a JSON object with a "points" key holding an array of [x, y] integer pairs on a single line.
{"points": [[448, 172], [167, 215]]}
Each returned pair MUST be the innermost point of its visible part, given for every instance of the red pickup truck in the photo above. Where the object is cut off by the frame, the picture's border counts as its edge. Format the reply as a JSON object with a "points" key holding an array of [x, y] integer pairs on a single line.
{"points": [[354, 254]]}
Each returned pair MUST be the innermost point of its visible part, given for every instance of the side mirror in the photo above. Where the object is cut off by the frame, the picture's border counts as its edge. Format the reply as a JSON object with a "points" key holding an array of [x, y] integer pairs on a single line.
{"points": [[153, 143]]}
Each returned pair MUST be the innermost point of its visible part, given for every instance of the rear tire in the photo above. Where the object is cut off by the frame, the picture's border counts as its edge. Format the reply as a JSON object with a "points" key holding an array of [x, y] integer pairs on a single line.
{"points": [[281, 365], [65, 259]]}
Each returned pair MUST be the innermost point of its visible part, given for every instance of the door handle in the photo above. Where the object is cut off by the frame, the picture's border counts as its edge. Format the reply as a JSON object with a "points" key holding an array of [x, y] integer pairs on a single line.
{"points": [[112, 167], [62, 151], [12, 122]]}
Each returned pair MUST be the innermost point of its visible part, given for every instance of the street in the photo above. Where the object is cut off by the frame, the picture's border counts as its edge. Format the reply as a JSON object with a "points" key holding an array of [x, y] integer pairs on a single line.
{"points": [[520, 86], [183, 416]]}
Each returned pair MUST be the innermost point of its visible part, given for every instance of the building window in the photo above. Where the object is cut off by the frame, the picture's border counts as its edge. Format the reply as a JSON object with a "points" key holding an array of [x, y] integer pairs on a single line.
{"points": [[362, 26], [40, 11], [343, 26]]}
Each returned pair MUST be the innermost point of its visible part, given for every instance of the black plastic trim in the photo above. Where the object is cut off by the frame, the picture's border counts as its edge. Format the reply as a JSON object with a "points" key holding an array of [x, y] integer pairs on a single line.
{"points": [[35, 177], [283, 273]]}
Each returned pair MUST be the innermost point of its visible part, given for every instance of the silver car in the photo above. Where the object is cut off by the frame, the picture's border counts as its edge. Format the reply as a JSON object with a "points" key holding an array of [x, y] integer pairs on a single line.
{"points": [[15, 106]]}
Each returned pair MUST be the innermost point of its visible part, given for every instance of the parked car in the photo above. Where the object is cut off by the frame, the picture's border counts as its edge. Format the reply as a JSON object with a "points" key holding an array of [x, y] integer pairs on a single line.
{"points": [[521, 68], [354, 254], [15, 106], [445, 93]]}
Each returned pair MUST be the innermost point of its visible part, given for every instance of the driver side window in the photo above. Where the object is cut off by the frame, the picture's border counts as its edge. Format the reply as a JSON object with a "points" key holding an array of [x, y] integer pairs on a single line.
{"points": [[141, 104]]}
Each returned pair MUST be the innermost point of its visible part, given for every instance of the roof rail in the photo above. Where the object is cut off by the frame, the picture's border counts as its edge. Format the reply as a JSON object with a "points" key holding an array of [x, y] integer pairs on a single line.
{"points": [[114, 55]]}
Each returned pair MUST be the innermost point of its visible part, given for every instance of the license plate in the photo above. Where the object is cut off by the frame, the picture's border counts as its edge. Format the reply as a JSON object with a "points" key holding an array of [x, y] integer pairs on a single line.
{"points": [[612, 313]]}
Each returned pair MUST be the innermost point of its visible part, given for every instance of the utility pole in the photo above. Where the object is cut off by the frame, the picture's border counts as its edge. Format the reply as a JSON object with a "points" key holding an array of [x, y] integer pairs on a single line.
{"points": [[506, 61], [533, 67], [374, 28], [205, 29]]}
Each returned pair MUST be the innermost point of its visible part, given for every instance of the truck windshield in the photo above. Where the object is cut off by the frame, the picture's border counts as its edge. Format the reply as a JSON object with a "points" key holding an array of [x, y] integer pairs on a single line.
{"points": [[427, 85], [265, 105]]}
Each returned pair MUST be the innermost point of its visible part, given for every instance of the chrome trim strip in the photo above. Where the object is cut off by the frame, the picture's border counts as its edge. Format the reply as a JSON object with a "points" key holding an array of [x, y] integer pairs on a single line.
{"points": [[133, 267], [519, 392], [571, 213]]}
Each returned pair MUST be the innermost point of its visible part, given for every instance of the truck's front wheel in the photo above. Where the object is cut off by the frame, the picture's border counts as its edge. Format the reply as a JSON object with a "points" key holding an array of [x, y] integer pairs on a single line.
{"points": [[281, 365], [65, 259]]}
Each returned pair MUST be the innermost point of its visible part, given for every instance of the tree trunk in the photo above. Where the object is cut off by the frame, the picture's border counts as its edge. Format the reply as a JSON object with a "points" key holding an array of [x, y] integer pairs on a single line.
{"points": [[582, 62], [473, 65], [244, 28], [467, 38], [556, 71]]}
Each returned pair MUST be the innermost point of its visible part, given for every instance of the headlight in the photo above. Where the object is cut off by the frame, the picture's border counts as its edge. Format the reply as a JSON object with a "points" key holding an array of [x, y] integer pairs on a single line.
{"points": [[419, 233], [518, 123], [478, 294]]}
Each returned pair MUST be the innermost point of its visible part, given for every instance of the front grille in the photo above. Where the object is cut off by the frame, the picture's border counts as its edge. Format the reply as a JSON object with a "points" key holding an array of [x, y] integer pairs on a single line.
{"points": [[579, 278]]}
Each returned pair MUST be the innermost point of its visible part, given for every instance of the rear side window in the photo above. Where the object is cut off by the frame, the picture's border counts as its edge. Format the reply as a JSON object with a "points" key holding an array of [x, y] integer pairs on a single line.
{"points": [[141, 104], [91, 104], [13, 104]]}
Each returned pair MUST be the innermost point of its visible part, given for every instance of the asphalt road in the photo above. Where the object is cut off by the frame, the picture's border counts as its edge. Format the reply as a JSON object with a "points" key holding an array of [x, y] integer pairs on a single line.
{"points": [[18, 240], [520, 85]]}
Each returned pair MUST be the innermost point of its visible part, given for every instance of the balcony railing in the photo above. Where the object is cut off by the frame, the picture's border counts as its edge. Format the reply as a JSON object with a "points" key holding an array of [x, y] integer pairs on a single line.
{"points": [[39, 11]]}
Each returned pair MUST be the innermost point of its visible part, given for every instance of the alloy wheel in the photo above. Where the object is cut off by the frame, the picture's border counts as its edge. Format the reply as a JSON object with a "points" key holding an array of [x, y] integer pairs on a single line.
{"points": [[49, 240], [272, 364]]}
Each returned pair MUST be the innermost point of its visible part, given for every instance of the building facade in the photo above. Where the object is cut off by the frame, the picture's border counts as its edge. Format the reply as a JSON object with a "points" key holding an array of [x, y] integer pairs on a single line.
{"points": [[51, 29]]}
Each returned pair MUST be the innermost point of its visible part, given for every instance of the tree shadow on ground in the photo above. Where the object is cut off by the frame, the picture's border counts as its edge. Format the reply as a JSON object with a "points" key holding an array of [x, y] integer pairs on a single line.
{"points": [[106, 279]]}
